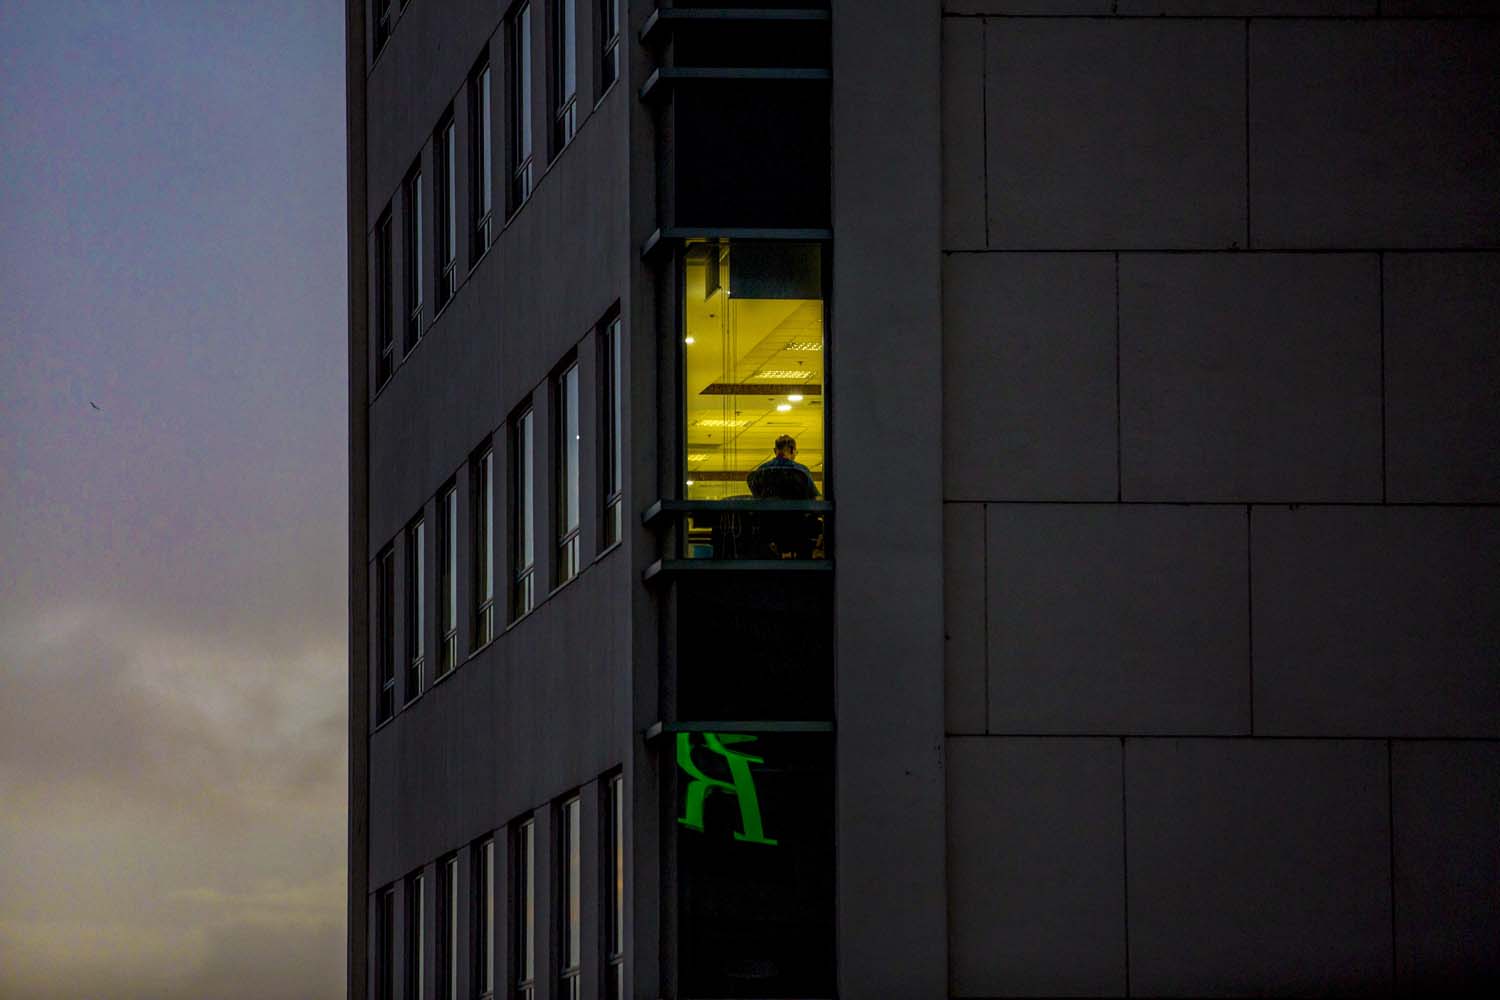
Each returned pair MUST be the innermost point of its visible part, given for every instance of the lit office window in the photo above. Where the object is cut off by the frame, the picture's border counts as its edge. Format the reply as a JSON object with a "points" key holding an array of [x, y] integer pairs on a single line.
{"points": [[447, 581], [448, 942], [614, 889], [384, 16], [416, 939], [483, 475], [445, 168], [613, 436], [384, 306], [609, 43], [518, 38], [385, 944], [565, 455], [484, 919], [385, 633], [416, 606], [480, 158], [754, 377], [523, 545], [412, 264], [569, 878], [564, 73], [523, 910]]}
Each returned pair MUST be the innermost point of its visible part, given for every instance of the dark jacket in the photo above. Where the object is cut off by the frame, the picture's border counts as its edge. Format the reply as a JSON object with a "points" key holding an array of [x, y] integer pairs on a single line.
{"points": [[782, 479]]}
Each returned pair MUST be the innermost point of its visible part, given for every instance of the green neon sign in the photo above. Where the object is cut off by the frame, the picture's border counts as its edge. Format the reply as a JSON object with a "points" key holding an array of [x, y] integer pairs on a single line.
{"points": [[741, 784]]}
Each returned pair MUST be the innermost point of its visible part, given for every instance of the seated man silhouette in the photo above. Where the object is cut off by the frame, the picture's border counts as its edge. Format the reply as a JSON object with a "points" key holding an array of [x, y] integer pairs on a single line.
{"points": [[784, 478]]}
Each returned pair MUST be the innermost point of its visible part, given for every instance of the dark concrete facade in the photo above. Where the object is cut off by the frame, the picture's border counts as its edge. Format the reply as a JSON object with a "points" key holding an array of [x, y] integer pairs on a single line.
{"points": [[1167, 665]]}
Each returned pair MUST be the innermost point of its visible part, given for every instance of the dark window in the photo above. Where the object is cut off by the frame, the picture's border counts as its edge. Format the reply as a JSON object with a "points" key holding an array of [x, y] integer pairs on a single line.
{"points": [[449, 950], [484, 919], [385, 944], [570, 907], [416, 606], [416, 938], [482, 473], [447, 580], [384, 16], [565, 455], [609, 43], [523, 541], [445, 152], [614, 888], [385, 330], [480, 159], [412, 247], [611, 433], [385, 633], [564, 73], [523, 910], [518, 39]]}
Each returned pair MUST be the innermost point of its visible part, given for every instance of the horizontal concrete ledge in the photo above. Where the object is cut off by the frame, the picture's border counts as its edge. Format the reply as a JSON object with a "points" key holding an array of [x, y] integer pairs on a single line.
{"points": [[656, 729]]}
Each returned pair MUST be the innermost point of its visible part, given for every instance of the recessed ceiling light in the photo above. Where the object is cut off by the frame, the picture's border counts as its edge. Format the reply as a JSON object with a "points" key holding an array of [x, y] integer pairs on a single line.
{"points": [[688, 340], [783, 374], [795, 397], [690, 482], [805, 345], [783, 407]]}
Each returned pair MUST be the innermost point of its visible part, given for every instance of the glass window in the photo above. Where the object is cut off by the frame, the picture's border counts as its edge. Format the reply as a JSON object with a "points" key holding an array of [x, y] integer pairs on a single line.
{"points": [[755, 391], [385, 944], [445, 152], [383, 17], [480, 157], [449, 949], [416, 606], [384, 306], [523, 910], [612, 436], [484, 919], [483, 474], [564, 73], [385, 633], [569, 880], [614, 889], [566, 456], [447, 581], [413, 256], [518, 35], [416, 938], [609, 44], [523, 545]]}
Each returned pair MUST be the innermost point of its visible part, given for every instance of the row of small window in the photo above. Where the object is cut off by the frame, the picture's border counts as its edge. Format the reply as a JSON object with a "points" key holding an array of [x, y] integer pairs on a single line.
{"points": [[470, 886], [520, 545], [563, 89]]}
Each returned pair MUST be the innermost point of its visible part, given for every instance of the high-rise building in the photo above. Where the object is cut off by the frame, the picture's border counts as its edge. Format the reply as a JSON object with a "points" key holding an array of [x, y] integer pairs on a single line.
{"points": [[923, 498]]}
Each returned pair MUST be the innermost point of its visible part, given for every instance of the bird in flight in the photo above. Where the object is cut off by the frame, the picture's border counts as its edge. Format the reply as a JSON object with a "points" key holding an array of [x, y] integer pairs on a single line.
{"points": [[96, 406]]}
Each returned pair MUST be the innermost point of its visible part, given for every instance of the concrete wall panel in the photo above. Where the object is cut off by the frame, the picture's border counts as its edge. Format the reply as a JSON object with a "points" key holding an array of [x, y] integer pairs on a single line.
{"points": [[1374, 133], [1250, 377], [1446, 813], [1442, 377], [963, 134], [1109, 134], [1258, 868], [1111, 619], [964, 617], [1036, 868], [1376, 621], [1029, 377]]}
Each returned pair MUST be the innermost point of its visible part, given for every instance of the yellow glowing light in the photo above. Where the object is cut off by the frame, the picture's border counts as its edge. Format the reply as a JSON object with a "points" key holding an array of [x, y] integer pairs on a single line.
{"points": [[783, 374], [783, 407], [795, 397], [688, 340]]}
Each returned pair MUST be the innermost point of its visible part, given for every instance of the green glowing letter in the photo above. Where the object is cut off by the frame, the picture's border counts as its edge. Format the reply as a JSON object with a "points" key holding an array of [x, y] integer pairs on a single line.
{"points": [[742, 785]]}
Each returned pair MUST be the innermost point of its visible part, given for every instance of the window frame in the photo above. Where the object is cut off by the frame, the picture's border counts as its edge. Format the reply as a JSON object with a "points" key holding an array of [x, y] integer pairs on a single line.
{"points": [[384, 24], [385, 306], [612, 909], [416, 936], [385, 943], [609, 19], [482, 534], [482, 925], [523, 505], [566, 472], [385, 634], [523, 909], [569, 909], [611, 431], [416, 605], [449, 945], [481, 159], [521, 138], [447, 619], [562, 57], [445, 198], [412, 246]]}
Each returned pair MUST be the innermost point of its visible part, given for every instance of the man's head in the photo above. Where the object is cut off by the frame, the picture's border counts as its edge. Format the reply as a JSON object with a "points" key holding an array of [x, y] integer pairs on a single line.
{"points": [[786, 446]]}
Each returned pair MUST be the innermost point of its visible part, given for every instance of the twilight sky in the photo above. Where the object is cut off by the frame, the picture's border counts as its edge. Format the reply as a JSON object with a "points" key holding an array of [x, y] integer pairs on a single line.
{"points": [[172, 600]]}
